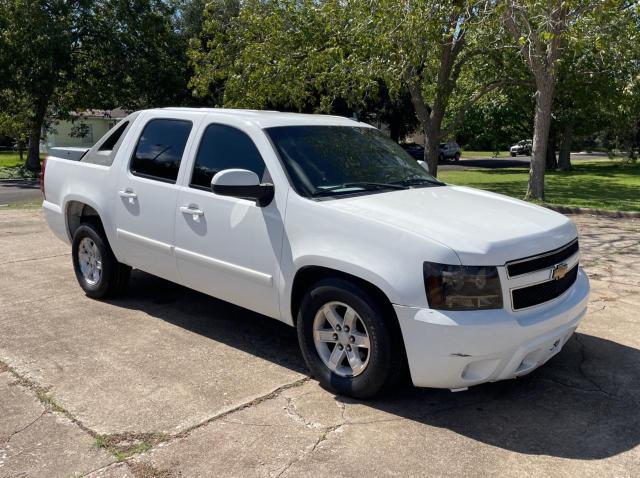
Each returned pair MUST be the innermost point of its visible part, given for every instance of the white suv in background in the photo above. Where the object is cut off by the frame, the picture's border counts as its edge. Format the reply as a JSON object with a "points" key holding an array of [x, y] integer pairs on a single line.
{"points": [[329, 226], [449, 150]]}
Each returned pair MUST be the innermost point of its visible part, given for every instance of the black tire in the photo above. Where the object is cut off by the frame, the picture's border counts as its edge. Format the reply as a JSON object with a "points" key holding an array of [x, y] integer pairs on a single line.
{"points": [[513, 155], [114, 276], [441, 157], [386, 366], [456, 157]]}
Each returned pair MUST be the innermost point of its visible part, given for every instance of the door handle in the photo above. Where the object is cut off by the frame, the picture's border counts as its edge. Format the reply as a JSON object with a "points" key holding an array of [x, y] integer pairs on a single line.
{"points": [[193, 211], [128, 194]]}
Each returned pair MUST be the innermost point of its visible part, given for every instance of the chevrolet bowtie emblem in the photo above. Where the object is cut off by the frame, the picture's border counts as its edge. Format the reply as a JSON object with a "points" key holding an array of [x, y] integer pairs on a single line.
{"points": [[559, 271]]}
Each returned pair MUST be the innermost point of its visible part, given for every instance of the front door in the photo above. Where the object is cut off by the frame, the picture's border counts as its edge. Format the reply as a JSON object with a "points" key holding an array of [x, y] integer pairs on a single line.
{"points": [[228, 247], [148, 193]]}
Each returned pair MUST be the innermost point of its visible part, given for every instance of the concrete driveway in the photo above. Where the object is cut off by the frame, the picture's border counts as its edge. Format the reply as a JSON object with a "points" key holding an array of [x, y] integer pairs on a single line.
{"points": [[167, 382]]}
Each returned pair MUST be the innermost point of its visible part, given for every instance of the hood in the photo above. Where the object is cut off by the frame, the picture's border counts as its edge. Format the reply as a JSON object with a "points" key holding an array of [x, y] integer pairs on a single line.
{"points": [[483, 228]]}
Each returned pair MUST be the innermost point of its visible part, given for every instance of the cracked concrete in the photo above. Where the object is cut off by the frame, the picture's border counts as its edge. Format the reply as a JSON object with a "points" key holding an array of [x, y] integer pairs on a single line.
{"points": [[35, 441], [178, 384]]}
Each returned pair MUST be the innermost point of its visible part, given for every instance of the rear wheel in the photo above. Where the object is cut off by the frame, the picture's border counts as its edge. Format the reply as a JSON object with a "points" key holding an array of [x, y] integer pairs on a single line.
{"points": [[98, 272], [456, 157], [346, 341], [441, 157]]}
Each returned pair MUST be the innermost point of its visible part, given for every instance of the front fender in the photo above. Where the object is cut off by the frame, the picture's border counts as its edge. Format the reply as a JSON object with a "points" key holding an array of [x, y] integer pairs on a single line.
{"points": [[317, 234]]}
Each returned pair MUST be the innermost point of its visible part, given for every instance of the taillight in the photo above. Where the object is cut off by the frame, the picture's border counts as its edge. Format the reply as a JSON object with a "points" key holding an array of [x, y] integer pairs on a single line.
{"points": [[42, 168]]}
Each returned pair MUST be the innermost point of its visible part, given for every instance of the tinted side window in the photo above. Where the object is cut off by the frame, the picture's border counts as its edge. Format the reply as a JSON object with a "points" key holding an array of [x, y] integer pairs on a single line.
{"points": [[113, 138], [159, 149], [224, 147]]}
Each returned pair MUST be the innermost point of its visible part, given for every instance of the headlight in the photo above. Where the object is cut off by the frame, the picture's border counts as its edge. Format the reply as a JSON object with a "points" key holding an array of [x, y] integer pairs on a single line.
{"points": [[452, 287]]}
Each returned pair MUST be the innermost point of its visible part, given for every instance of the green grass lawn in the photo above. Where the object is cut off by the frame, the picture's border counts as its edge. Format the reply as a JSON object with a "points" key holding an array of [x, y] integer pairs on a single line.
{"points": [[10, 159], [611, 185], [11, 166]]}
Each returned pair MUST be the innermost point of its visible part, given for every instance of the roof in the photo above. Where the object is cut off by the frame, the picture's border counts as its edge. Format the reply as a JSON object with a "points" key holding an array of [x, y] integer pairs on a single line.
{"points": [[268, 119]]}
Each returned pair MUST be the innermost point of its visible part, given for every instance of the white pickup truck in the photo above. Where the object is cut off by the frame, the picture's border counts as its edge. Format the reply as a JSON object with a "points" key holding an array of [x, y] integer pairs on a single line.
{"points": [[325, 224]]}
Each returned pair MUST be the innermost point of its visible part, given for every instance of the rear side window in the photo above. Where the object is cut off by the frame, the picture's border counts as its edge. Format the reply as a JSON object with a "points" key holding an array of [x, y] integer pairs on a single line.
{"points": [[224, 147], [159, 149], [105, 150], [113, 138]]}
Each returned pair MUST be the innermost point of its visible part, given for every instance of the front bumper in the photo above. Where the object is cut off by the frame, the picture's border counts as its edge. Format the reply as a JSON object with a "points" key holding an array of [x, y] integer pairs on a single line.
{"points": [[459, 349]]}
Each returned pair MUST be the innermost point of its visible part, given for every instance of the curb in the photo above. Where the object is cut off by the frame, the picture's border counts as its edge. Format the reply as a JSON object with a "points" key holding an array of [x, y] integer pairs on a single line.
{"points": [[594, 212]]}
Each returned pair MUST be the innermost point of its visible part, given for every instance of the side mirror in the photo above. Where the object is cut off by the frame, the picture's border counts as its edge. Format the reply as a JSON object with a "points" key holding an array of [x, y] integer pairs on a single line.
{"points": [[423, 164], [241, 183]]}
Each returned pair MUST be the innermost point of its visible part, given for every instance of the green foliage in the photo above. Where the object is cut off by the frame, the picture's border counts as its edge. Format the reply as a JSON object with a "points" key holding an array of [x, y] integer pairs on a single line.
{"points": [[61, 56], [498, 121], [349, 55], [598, 63]]}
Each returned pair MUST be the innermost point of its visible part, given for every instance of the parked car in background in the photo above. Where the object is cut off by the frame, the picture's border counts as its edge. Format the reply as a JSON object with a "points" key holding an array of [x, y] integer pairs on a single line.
{"points": [[450, 150], [523, 147], [414, 149], [326, 224]]}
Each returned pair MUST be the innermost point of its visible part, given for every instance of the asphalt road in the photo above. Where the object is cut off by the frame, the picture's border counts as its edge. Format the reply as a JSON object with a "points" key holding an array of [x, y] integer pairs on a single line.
{"points": [[506, 161], [18, 192], [167, 382], [486, 163]]}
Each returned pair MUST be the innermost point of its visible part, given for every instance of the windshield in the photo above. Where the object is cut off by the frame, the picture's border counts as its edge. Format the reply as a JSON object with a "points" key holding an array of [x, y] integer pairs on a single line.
{"points": [[336, 160]]}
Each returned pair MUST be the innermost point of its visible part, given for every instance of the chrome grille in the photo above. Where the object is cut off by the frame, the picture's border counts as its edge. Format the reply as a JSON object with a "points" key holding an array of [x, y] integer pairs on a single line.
{"points": [[543, 292]]}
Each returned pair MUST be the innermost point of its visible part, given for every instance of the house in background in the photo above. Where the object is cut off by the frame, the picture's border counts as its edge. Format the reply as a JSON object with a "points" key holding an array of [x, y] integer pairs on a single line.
{"points": [[82, 130]]}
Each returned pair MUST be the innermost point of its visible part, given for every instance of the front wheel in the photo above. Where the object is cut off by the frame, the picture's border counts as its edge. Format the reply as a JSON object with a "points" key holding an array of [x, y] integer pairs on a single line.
{"points": [[98, 271], [346, 341]]}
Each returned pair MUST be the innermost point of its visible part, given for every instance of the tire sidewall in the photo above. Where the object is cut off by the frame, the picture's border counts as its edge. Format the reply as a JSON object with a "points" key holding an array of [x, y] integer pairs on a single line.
{"points": [[100, 289], [376, 374]]}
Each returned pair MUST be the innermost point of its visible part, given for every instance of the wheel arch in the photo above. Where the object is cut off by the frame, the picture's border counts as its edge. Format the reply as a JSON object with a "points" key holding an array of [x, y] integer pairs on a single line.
{"points": [[308, 275], [77, 212]]}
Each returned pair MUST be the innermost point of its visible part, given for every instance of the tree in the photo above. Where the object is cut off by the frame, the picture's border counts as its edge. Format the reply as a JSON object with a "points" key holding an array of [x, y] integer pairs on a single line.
{"points": [[14, 119], [427, 47], [498, 120], [311, 54], [541, 29], [61, 56], [213, 49], [598, 64], [35, 53]]}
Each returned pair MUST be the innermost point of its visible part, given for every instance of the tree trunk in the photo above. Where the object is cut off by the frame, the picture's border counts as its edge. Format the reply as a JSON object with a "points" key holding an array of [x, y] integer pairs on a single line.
{"points": [[551, 162], [564, 161], [542, 123], [33, 153], [432, 148]]}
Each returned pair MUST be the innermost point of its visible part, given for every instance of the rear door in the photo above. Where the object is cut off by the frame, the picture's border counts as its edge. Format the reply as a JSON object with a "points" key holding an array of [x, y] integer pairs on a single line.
{"points": [[225, 246], [147, 192]]}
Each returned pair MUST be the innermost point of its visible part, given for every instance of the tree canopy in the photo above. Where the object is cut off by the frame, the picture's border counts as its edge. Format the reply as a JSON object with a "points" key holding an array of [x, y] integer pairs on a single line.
{"points": [[61, 56], [484, 72]]}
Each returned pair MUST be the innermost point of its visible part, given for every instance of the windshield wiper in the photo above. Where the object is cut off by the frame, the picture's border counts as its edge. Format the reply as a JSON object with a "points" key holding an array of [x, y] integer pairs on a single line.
{"points": [[418, 181], [363, 185]]}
